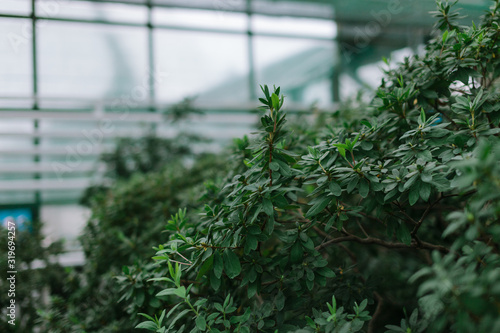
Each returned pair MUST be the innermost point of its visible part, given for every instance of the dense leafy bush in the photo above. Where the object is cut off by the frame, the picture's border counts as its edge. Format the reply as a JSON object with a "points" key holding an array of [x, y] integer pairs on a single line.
{"points": [[37, 275], [393, 214], [150, 180]]}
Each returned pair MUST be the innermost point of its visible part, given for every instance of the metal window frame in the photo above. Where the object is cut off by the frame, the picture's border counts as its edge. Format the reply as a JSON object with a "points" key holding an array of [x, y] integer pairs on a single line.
{"points": [[247, 7]]}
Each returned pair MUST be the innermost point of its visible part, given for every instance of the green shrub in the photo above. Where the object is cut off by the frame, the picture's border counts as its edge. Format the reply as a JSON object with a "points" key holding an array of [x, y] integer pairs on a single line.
{"points": [[32, 283], [397, 212], [126, 222]]}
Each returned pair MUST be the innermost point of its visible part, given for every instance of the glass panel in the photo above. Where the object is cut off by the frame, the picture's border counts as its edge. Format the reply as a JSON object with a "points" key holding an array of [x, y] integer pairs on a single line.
{"points": [[19, 7], [10, 145], [16, 63], [206, 130], [84, 139], [349, 87], [63, 221], [372, 74], [294, 26], [16, 125], [92, 61], [15, 142], [302, 67], [77, 126], [300, 8], [212, 66], [92, 11], [73, 165], [200, 18]]}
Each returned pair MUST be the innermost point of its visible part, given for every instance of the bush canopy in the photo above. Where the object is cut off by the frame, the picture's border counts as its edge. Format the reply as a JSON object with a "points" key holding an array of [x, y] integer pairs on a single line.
{"points": [[394, 215]]}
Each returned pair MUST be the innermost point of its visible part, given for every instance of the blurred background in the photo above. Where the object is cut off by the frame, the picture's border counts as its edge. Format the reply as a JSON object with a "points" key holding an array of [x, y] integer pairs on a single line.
{"points": [[75, 76]]}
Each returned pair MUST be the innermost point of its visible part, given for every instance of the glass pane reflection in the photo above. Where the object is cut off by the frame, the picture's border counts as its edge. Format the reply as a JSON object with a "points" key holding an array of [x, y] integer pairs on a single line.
{"points": [[302, 67], [90, 61], [200, 18], [92, 10], [16, 64], [213, 67]]}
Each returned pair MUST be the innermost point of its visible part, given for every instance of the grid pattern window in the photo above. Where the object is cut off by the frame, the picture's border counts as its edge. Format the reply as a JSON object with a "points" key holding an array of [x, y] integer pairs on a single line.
{"points": [[75, 75], [70, 66]]}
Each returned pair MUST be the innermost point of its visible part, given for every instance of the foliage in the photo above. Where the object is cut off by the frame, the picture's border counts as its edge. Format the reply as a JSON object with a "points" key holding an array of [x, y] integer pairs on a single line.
{"points": [[149, 153], [126, 223], [398, 210], [151, 177], [141, 155], [36, 275]]}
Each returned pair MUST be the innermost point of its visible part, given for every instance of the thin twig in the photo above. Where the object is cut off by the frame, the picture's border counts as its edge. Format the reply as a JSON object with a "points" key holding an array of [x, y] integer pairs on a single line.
{"points": [[189, 261], [179, 262], [376, 314], [362, 229], [408, 217], [372, 218], [424, 215], [376, 295], [428, 209], [390, 245]]}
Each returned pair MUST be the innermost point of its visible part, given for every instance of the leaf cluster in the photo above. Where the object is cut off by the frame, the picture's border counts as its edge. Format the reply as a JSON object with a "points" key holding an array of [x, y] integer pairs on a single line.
{"points": [[396, 211]]}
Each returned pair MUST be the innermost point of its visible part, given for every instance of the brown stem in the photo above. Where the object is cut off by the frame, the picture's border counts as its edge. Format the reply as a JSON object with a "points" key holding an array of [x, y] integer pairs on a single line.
{"points": [[221, 247], [376, 295], [376, 241], [376, 314], [271, 143], [408, 217], [424, 215], [372, 218], [270, 160], [362, 229]]}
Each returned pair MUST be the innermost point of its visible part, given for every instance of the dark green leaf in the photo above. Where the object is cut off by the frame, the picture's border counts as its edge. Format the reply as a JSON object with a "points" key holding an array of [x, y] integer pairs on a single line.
{"points": [[167, 292], [250, 243], [352, 184], [218, 265], [425, 191], [403, 234], [205, 267], [326, 272], [318, 206], [252, 289], [335, 188], [214, 281], [414, 195], [148, 325], [364, 188], [201, 324], [296, 253], [279, 301], [232, 265], [268, 207], [274, 166], [366, 145]]}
